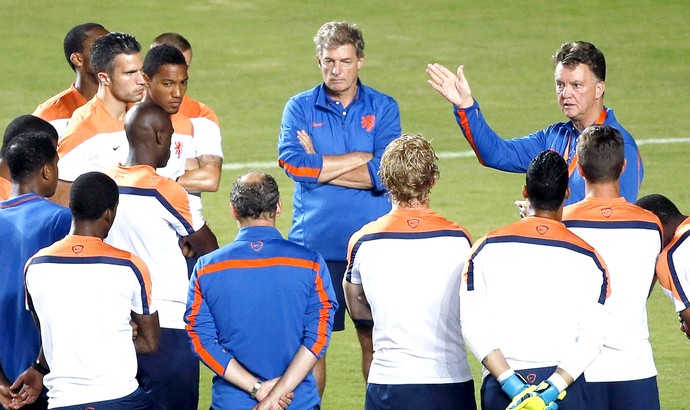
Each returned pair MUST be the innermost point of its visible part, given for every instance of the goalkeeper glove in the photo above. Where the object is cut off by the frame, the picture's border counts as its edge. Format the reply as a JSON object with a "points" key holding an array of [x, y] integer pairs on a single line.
{"points": [[515, 385], [543, 397]]}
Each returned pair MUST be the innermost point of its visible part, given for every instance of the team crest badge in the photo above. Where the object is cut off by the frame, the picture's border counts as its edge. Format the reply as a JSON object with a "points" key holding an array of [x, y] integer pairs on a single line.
{"points": [[606, 212], [178, 148], [257, 245], [413, 223], [531, 378], [368, 122], [77, 248], [542, 229]]}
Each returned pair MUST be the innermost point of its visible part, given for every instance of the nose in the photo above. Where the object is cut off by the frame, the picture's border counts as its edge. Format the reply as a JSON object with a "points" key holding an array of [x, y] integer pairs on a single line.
{"points": [[566, 91], [336, 68], [176, 91], [140, 78]]}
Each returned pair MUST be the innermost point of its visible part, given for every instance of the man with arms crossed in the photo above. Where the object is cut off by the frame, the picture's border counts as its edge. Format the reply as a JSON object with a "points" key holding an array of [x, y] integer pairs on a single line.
{"points": [[153, 215], [89, 361], [629, 238], [331, 141], [532, 301], [580, 84], [205, 161], [29, 223], [95, 138], [260, 353], [403, 279], [165, 73], [77, 46]]}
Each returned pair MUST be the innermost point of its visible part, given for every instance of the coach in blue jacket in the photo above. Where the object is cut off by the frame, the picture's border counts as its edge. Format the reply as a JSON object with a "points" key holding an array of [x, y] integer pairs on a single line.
{"points": [[580, 84]]}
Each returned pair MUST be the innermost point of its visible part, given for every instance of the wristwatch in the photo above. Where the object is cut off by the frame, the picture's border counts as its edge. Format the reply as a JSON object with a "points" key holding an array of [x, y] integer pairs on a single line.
{"points": [[255, 389]]}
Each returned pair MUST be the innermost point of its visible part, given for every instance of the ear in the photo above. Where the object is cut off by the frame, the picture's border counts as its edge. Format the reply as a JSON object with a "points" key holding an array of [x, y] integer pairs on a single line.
{"points": [[279, 207], [567, 193], [109, 216], [360, 63], [147, 80], [233, 212], [318, 61], [625, 164], [103, 78], [47, 172], [159, 137], [77, 59], [525, 194], [600, 88]]}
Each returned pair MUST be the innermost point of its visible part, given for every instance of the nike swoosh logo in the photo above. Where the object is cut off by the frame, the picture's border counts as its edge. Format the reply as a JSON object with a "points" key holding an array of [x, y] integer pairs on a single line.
{"points": [[317, 124], [116, 148]]}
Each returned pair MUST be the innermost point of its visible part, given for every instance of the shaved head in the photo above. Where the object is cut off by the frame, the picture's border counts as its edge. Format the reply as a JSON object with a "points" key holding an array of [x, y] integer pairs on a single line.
{"points": [[149, 130]]}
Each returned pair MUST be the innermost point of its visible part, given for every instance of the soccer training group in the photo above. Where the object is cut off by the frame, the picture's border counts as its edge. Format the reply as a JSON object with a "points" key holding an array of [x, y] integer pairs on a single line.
{"points": [[115, 287]]}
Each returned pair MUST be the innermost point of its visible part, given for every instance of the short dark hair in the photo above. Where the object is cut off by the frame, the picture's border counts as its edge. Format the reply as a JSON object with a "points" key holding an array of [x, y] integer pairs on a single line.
{"points": [[660, 206], [74, 40], [91, 195], [575, 53], [161, 55], [27, 153], [601, 152], [255, 199], [547, 181], [106, 48], [173, 39], [26, 123]]}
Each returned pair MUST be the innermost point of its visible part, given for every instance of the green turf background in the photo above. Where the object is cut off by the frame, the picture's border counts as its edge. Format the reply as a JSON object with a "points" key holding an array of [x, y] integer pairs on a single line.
{"points": [[251, 56]]}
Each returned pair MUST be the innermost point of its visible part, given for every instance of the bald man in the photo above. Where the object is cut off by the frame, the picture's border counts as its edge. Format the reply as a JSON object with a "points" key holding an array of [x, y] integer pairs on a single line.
{"points": [[153, 216]]}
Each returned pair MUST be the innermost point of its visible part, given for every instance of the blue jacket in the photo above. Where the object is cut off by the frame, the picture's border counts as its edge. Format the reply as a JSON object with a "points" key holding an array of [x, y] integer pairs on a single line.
{"points": [[258, 299], [514, 155], [324, 215]]}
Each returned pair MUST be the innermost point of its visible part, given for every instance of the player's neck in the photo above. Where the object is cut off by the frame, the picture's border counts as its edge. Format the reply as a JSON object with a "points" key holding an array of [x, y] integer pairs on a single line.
{"points": [[86, 86], [541, 213], [115, 107], [603, 190], [28, 187], [411, 206]]}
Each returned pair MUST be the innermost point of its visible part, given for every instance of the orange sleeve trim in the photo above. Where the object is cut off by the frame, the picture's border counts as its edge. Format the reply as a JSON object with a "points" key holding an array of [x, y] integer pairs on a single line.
{"points": [[465, 125], [299, 171], [196, 342]]}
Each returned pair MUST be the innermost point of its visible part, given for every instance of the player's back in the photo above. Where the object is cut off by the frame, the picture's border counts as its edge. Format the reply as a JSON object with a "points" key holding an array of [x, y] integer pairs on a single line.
{"points": [[409, 264], [83, 291], [629, 239], [534, 267]]}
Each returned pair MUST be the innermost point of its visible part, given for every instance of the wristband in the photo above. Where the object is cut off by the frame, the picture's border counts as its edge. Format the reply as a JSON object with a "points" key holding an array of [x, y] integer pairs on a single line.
{"points": [[255, 389], [362, 323], [40, 368]]}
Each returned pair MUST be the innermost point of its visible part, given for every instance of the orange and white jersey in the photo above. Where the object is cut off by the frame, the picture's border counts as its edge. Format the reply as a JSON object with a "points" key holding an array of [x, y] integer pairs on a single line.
{"points": [[629, 239], [59, 109], [181, 143], [409, 263], [207, 138], [535, 291], [93, 141], [152, 215], [673, 267], [5, 189], [83, 291]]}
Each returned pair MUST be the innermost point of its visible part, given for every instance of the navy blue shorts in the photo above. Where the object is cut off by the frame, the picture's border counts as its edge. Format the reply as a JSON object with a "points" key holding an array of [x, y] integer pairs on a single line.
{"points": [[138, 400], [170, 376], [493, 397], [450, 396], [337, 271], [626, 395]]}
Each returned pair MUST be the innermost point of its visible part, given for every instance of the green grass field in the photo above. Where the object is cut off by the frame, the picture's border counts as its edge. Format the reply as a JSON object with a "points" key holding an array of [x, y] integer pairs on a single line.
{"points": [[251, 56]]}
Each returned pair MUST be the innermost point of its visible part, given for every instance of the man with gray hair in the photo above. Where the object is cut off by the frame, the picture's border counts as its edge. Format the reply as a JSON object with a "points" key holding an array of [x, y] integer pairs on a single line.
{"points": [[331, 141], [260, 309]]}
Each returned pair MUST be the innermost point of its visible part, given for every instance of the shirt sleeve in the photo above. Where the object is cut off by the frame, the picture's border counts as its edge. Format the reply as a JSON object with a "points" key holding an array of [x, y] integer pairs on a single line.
{"points": [[202, 331], [207, 138], [632, 175], [673, 277], [387, 129], [320, 310], [298, 165], [512, 155]]}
